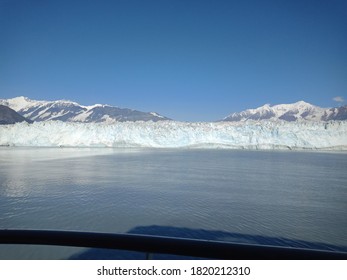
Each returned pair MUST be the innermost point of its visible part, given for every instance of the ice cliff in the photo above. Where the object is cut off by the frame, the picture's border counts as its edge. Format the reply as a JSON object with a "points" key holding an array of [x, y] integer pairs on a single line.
{"points": [[169, 134]]}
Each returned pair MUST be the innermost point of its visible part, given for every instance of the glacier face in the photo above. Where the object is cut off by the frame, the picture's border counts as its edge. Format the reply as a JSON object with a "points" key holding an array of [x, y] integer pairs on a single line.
{"points": [[170, 134]]}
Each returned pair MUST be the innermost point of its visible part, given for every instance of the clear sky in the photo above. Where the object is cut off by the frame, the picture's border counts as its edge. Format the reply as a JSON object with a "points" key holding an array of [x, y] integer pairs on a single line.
{"points": [[190, 60]]}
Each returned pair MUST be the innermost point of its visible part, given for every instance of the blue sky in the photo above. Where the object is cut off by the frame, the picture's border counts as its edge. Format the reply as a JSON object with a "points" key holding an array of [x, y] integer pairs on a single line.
{"points": [[191, 60]]}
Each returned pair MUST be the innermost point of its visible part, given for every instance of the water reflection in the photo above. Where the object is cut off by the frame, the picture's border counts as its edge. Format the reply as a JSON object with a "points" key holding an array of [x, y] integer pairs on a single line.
{"points": [[293, 195]]}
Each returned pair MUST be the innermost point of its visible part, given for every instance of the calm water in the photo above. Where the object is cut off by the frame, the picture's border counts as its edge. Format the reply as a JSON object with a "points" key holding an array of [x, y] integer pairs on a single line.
{"points": [[244, 196]]}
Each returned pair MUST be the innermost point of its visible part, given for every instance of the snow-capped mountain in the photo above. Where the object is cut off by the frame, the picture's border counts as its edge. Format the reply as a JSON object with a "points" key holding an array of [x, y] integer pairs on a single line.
{"points": [[290, 112], [69, 111], [9, 116]]}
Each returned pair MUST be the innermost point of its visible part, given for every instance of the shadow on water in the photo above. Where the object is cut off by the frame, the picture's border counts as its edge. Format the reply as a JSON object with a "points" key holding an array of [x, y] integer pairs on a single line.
{"points": [[200, 234]]}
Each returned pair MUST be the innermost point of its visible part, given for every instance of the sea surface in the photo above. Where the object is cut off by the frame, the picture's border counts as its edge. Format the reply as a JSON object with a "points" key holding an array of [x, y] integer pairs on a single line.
{"points": [[283, 198]]}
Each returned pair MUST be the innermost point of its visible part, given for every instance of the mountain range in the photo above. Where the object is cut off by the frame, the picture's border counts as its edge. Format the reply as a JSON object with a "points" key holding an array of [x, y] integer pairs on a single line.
{"points": [[290, 112], [69, 111]]}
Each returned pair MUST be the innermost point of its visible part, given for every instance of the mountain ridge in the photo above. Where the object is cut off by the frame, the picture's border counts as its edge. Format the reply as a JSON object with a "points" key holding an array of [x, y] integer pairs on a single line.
{"points": [[297, 111], [70, 111]]}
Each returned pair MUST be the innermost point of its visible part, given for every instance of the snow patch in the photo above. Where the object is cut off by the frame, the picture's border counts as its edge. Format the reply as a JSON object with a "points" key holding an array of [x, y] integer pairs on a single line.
{"points": [[156, 115], [82, 117]]}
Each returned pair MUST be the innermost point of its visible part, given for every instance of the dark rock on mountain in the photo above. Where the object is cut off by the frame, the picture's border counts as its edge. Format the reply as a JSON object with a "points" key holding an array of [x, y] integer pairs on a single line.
{"points": [[9, 116]]}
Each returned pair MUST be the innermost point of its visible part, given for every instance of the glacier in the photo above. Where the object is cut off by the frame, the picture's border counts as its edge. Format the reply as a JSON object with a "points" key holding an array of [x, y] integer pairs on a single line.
{"points": [[331, 135]]}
